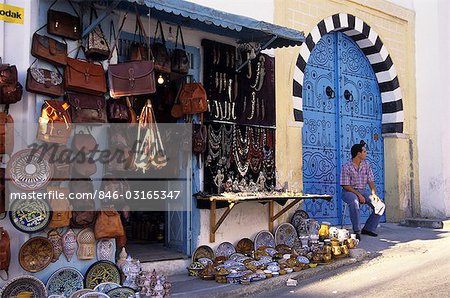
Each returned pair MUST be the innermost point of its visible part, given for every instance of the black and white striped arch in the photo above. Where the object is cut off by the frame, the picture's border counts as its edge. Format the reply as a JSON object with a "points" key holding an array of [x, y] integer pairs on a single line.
{"points": [[372, 46]]}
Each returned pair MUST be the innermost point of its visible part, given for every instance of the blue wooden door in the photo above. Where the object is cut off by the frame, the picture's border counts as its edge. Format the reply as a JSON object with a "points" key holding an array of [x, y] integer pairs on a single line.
{"points": [[342, 106]]}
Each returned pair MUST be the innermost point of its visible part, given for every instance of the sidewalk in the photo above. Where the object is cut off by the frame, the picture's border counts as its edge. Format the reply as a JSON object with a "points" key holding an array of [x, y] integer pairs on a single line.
{"points": [[370, 247]]}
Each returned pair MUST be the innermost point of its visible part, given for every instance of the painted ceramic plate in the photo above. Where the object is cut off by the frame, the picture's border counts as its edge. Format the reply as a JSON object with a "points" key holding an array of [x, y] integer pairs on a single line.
{"points": [[105, 287], [92, 294], [298, 216], [25, 283], [79, 293], [303, 259], [28, 170], [264, 238], [30, 216], [245, 246], [36, 254], [237, 256], [65, 281], [285, 234], [203, 251], [225, 249], [99, 272], [122, 292]]}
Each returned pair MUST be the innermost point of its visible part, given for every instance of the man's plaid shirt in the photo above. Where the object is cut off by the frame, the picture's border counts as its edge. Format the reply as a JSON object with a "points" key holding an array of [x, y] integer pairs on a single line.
{"points": [[356, 178]]}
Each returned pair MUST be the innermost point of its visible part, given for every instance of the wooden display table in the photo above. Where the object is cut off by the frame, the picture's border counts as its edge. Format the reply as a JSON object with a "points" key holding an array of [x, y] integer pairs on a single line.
{"points": [[235, 198]]}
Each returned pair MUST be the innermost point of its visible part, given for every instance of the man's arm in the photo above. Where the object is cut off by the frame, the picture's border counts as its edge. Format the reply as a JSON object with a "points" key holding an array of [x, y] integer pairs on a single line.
{"points": [[372, 187], [349, 188]]}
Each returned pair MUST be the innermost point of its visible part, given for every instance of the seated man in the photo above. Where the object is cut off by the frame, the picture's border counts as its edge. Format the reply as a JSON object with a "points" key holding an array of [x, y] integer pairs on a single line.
{"points": [[355, 175]]}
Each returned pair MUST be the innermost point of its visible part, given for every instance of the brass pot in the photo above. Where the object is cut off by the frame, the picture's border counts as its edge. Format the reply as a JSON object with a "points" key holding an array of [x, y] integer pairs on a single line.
{"points": [[324, 231], [344, 249], [336, 250], [327, 258]]}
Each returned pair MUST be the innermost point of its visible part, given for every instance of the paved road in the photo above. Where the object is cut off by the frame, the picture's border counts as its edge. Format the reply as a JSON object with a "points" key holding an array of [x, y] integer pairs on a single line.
{"points": [[405, 262]]}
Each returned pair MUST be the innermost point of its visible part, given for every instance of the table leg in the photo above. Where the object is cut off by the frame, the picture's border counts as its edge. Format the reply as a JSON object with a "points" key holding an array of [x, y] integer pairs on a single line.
{"points": [[212, 222], [271, 216]]}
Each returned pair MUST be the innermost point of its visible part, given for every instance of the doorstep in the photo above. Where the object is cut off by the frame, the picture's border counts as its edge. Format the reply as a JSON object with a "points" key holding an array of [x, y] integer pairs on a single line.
{"points": [[188, 286], [168, 267]]}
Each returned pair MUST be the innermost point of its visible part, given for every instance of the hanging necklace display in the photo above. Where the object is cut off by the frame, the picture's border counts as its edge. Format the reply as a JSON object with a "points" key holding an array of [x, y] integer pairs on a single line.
{"points": [[240, 150], [256, 144], [261, 74], [253, 106], [214, 139], [269, 158], [227, 140]]}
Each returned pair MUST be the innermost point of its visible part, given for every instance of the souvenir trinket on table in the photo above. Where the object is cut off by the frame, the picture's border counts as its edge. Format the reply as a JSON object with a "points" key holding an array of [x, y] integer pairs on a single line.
{"points": [[36, 254], [99, 272], [65, 281], [264, 238], [285, 234], [69, 243], [24, 284], [30, 216]]}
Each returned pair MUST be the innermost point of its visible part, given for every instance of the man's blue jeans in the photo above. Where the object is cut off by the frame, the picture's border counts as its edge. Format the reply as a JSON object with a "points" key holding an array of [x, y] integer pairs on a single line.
{"points": [[353, 203]]}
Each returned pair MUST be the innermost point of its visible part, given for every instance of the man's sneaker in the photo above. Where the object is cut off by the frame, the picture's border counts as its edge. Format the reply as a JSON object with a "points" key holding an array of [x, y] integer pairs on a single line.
{"points": [[365, 232], [358, 236]]}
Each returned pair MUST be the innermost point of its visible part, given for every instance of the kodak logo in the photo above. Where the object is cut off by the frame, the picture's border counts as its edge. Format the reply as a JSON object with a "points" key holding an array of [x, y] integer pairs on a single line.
{"points": [[11, 14]]}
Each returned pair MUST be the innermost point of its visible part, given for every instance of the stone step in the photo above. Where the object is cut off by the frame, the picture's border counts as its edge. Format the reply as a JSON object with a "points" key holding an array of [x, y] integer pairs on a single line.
{"points": [[431, 223]]}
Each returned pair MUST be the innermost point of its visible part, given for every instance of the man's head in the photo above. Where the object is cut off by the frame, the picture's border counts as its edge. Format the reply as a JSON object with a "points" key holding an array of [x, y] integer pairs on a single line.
{"points": [[359, 150]]}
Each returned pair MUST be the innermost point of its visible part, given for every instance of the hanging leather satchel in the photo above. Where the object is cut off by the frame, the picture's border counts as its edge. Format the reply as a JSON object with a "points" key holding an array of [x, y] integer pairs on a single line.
{"points": [[2, 194], [87, 108], [162, 57], [5, 252], [117, 111], [8, 74], [45, 82], [63, 24], [49, 49], [6, 133], [55, 124], [108, 224], [61, 209], [199, 138], [85, 77], [97, 47], [83, 211], [10, 94], [180, 59], [193, 98]]}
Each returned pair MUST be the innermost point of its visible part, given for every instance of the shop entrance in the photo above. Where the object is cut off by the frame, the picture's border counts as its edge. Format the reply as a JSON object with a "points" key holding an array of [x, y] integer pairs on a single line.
{"points": [[341, 106]]}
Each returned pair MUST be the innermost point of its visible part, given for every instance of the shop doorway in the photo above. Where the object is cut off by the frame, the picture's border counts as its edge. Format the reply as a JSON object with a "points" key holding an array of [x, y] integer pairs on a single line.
{"points": [[341, 106]]}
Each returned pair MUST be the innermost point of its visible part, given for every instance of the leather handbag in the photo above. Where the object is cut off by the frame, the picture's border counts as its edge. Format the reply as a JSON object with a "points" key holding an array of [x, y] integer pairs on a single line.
{"points": [[55, 124], [2, 194], [132, 117], [61, 164], [8, 75], [97, 47], [84, 143], [45, 82], [5, 252], [199, 138], [139, 49], [61, 209], [83, 211], [87, 108], [10, 94], [193, 98], [180, 59], [108, 224], [49, 49], [117, 111], [160, 53], [64, 24], [85, 77], [6, 133]]}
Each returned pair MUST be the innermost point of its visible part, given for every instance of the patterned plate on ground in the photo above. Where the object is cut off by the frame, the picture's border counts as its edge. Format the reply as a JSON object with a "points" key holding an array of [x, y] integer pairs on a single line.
{"points": [[36, 254], [101, 271], [28, 170], [264, 238], [285, 234], [236, 256], [245, 246], [65, 281], [79, 293], [105, 287], [203, 251], [25, 283], [298, 216], [122, 292], [92, 294], [30, 216], [225, 249]]}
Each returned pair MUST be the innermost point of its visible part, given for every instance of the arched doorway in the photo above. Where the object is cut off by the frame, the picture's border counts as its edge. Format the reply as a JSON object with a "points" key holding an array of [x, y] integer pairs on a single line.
{"points": [[341, 106]]}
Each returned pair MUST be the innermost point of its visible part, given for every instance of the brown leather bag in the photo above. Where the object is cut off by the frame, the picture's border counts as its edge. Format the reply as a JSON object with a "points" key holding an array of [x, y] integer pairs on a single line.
{"points": [[61, 164], [87, 108], [10, 94], [8, 75], [2, 193], [180, 59], [44, 81], [108, 224], [162, 57], [49, 50], [6, 133], [61, 209], [85, 77], [5, 252], [131, 79], [117, 111], [55, 124], [193, 98], [199, 138], [83, 211], [83, 143], [64, 24]]}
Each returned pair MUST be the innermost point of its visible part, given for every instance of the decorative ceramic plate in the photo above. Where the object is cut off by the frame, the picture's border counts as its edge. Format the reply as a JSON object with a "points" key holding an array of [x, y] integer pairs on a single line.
{"points": [[285, 234], [225, 249], [25, 283], [28, 170], [236, 256], [65, 281], [105, 287], [36, 254], [122, 292], [79, 293], [203, 251], [303, 259], [245, 246], [298, 217], [30, 216], [101, 271], [264, 238], [94, 295]]}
